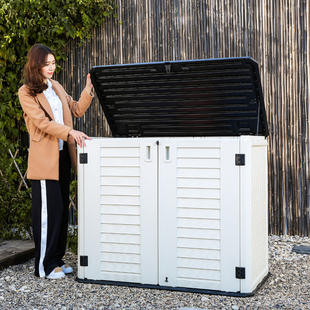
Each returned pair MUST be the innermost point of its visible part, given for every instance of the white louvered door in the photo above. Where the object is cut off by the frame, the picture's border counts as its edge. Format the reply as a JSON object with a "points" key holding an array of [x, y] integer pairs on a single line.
{"points": [[199, 213], [118, 228], [167, 212]]}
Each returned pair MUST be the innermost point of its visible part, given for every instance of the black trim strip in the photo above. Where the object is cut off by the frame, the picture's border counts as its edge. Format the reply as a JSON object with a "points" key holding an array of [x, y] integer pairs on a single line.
{"points": [[178, 289]]}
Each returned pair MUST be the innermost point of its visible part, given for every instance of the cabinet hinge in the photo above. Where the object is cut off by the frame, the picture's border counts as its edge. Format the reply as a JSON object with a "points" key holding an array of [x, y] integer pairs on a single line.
{"points": [[83, 158], [240, 273], [83, 261], [240, 159]]}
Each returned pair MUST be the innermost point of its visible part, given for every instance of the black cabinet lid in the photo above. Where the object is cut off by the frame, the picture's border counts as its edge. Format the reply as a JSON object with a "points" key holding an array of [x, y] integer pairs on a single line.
{"points": [[209, 97]]}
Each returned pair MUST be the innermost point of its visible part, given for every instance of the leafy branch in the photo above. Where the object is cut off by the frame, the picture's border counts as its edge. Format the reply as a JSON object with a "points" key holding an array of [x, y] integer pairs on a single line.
{"points": [[24, 23]]}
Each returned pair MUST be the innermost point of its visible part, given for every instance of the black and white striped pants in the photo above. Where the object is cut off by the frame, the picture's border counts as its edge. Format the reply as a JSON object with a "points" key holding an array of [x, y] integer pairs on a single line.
{"points": [[50, 203]]}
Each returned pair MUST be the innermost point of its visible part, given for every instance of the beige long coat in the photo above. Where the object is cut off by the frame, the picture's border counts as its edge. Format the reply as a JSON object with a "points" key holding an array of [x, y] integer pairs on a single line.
{"points": [[44, 131]]}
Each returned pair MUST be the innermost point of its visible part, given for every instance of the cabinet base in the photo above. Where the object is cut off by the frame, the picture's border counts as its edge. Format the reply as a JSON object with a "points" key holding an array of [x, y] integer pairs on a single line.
{"points": [[179, 289]]}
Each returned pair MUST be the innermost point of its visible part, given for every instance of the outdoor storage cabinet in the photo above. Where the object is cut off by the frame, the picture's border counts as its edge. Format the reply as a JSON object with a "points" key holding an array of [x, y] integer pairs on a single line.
{"points": [[182, 211]]}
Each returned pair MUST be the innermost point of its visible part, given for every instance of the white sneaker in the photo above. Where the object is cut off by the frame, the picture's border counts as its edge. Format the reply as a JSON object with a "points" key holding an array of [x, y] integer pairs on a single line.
{"points": [[66, 269], [57, 273]]}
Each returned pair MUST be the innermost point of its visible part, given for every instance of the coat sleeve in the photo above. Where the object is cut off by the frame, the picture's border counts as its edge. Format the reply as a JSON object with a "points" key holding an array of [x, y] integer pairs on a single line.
{"points": [[78, 108], [39, 117]]}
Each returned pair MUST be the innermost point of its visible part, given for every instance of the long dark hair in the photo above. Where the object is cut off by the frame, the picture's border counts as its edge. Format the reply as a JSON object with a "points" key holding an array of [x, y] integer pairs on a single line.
{"points": [[34, 79]]}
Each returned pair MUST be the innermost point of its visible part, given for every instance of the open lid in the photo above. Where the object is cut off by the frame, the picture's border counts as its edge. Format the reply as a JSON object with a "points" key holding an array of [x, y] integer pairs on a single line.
{"points": [[210, 97]]}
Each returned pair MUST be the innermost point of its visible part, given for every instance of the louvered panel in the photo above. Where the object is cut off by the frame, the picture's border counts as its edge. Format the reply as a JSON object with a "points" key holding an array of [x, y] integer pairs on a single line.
{"points": [[182, 98], [198, 215], [120, 257], [194, 233], [120, 212]]}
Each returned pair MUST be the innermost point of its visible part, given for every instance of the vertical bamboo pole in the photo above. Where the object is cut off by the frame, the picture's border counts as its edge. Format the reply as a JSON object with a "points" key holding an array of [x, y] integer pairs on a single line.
{"points": [[307, 82]]}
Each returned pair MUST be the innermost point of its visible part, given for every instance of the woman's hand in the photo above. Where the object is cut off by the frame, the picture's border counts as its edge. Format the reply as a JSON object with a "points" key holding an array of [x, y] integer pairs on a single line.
{"points": [[89, 84], [79, 137]]}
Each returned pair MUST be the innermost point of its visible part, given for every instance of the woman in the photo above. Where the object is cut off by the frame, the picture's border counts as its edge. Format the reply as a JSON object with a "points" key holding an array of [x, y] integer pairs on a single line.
{"points": [[48, 112]]}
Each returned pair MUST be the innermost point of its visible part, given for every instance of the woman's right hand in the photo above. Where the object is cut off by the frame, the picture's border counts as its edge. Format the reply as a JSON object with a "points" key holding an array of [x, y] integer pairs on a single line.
{"points": [[79, 137], [89, 85]]}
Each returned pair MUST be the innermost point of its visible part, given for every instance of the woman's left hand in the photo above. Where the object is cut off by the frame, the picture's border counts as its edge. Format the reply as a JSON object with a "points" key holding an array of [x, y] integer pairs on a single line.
{"points": [[79, 137], [89, 84]]}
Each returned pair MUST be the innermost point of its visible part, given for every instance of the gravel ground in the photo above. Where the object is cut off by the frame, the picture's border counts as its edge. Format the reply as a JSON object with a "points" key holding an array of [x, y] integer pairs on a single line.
{"points": [[287, 288]]}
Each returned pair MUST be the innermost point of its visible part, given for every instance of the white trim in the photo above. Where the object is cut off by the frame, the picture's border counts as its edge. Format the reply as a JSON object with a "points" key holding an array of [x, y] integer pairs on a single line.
{"points": [[43, 227]]}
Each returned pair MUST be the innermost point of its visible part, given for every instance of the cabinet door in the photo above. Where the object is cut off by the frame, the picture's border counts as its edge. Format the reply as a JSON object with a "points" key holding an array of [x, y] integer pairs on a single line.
{"points": [[198, 213], [117, 234]]}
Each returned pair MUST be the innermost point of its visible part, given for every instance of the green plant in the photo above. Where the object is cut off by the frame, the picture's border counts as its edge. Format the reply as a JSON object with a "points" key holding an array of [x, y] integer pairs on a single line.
{"points": [[72, 239], [24, 23], [15, 205]]}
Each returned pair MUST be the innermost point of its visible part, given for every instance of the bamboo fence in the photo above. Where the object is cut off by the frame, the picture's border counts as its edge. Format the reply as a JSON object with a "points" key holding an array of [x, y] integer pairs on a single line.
{"points": [[274, 33]]}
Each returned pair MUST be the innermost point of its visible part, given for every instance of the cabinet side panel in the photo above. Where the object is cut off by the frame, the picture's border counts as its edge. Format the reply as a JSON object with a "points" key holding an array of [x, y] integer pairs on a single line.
{"points": [[89, 214], [81, 211], [167, 209], [230, 215], [149, 211], [259, 201]]}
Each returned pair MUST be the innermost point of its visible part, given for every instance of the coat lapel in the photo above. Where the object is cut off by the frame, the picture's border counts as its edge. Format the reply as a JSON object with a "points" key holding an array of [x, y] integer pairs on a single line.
{"points": [[45, 105]]}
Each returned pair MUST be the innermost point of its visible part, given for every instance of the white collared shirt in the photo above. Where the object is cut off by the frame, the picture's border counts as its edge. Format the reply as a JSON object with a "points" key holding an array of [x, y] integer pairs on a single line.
{"points": [[56, 106]]}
